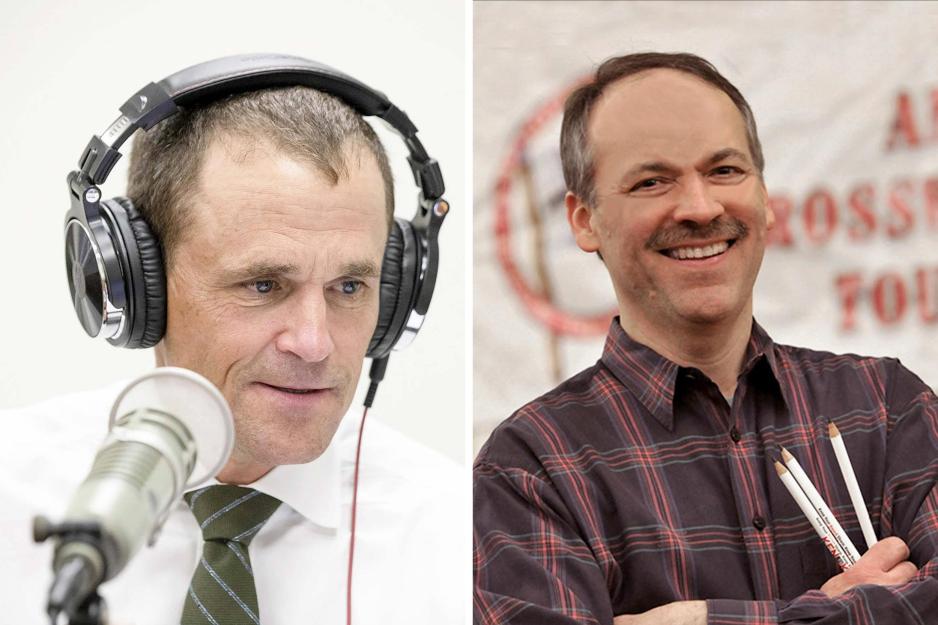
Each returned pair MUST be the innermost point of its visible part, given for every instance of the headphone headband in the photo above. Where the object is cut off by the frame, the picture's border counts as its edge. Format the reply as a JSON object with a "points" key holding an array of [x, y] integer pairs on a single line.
{"points": [[236, 74]]}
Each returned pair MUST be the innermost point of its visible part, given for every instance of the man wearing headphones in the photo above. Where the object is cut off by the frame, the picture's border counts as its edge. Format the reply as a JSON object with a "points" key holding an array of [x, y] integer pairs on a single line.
{"points": [[256, 246]]}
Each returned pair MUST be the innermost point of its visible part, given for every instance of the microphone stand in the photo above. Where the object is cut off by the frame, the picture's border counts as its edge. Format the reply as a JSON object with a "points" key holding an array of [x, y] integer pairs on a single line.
{"points": [[73, 591], [92, 611]]}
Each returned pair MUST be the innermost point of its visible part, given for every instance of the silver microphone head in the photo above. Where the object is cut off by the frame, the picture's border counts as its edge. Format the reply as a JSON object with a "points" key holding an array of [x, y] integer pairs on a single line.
{"points": [[170, 430], [196, 403]]}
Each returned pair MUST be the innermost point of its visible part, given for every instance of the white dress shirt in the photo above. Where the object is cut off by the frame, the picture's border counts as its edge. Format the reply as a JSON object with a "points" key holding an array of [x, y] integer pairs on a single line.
{"points": [[411, 544]]}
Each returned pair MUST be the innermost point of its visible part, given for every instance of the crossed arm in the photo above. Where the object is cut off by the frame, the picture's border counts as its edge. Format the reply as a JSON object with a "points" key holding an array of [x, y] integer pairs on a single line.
{"points": [[881, 588], [885, 564], [544, 573]]}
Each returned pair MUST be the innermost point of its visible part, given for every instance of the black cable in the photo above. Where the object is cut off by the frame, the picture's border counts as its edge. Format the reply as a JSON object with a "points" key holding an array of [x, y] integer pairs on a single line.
{"points": [[375, 374]]}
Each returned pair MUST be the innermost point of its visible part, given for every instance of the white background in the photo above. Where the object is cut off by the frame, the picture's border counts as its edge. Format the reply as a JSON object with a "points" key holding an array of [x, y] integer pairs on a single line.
{"points": [[66, 69], [822, 79]]}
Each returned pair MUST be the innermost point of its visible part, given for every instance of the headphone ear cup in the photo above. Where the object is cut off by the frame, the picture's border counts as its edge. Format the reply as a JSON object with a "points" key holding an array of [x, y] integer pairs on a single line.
{"points": [[399, 271], [145, 265]]}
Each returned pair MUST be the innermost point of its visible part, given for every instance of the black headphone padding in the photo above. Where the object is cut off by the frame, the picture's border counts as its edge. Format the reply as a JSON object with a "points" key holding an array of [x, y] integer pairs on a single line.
{"points": [[398, 282], [149, 323]]}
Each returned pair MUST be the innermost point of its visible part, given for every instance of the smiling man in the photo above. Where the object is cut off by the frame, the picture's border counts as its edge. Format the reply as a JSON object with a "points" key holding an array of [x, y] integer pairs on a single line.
{"points": [[643, 490]]}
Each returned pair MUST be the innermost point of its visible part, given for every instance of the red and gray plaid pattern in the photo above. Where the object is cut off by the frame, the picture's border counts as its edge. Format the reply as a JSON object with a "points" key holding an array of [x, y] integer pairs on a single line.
{"points": [[635, 484]]}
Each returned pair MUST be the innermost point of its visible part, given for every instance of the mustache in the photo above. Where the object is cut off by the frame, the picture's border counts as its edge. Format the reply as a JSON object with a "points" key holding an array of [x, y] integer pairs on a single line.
{"points": [[673, 236]]}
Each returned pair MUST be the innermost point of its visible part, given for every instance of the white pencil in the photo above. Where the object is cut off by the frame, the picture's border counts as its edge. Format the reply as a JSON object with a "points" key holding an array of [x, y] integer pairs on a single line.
{"points": [[827, 517], [856, 497], [811, 513]]}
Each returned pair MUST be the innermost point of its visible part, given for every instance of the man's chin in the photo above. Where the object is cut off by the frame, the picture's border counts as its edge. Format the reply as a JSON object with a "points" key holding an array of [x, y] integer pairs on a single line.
{"points": [[277, 428], [251, 461], [706, 303], [709, 314], [265, 450], [289, 455]]}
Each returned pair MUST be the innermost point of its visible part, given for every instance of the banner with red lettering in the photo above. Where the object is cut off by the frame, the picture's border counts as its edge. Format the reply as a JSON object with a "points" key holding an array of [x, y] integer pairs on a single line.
{"points": [[846, 100]]}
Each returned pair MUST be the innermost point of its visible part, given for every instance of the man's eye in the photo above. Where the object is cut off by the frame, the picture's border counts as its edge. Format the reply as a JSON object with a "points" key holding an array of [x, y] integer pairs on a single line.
{"points": [[350, 287], [262, 286], [727, 170], [649, 183]]}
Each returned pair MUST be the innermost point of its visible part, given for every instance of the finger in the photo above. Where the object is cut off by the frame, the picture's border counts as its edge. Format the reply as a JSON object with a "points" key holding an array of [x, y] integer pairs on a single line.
{"points": [[902, 572], [888, 552]]}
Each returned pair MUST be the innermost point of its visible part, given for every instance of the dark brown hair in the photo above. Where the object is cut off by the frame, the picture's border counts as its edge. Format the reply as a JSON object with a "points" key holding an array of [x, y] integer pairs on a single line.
{"points": [[304, 123], [575, 153]]}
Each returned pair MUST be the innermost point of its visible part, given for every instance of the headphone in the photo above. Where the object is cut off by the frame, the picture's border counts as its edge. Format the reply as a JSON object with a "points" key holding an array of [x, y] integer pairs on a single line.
{"points": [[114, 262]]}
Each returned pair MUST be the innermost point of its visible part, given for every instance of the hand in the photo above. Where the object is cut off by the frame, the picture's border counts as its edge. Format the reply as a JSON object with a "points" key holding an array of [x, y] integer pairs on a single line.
{"points": [[677, 613], [884, 564]]}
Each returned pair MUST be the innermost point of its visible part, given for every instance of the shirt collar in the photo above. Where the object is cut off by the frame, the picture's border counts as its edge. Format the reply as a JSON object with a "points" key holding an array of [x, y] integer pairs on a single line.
{"points": [[652, 378], [760, 345], [649, 375], [311, 489]]}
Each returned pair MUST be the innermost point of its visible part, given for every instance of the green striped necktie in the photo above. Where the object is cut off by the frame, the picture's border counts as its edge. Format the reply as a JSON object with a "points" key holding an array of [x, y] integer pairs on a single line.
{"points": [[222, 589]]}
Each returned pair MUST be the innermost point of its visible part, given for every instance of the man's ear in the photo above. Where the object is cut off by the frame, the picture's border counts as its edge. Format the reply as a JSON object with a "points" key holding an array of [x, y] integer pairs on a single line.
{"points": [[579, 216], [769, 213]]}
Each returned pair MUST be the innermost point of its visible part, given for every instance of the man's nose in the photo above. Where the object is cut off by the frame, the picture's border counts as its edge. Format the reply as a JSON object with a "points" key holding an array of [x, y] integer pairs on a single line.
{"points": [[697, 202], [306, 331]]}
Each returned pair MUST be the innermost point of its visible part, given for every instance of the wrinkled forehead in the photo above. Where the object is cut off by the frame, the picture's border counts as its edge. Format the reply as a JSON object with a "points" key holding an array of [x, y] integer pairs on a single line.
{"points": [[257, 176], [662, 113], [247, 189]]}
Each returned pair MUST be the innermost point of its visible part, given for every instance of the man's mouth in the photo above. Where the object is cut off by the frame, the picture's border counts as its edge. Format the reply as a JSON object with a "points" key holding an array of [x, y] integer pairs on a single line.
{"points": [[690, 252], [292, 390]]}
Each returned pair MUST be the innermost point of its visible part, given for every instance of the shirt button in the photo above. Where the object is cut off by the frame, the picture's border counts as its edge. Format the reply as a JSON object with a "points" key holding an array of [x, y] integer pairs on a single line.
{"points": [[734, 434], [758, 522]]}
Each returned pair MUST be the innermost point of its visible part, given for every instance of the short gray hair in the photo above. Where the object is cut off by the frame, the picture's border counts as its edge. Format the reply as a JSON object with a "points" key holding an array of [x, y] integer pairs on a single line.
{"points": [[305, 123], [575, 153]]}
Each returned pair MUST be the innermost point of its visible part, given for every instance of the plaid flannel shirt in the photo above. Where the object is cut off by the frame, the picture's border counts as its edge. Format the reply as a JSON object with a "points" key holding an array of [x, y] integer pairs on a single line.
{"points": [[635, 484]]}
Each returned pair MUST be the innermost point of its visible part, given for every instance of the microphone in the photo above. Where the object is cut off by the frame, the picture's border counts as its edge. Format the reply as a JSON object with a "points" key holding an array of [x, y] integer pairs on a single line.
{"points": [[170, 430]]}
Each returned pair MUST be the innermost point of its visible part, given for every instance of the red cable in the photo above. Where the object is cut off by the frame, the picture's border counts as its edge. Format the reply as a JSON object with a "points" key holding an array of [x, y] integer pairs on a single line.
{"points": [[351, 543]]}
